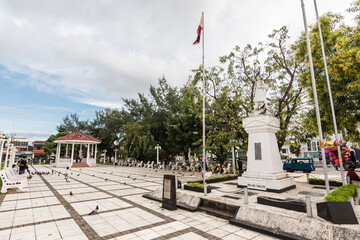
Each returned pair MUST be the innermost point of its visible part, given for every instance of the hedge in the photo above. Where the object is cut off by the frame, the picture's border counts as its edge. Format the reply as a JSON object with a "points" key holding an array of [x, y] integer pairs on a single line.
{"points": [[215, 178], [318, 181], [196, 184], [342, 193]]}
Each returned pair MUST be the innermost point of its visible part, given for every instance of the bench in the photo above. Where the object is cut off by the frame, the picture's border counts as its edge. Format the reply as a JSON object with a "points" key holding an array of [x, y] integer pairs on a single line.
{"points": [[162, 166], [227, 170], [11, 180], [139, 164], [174, 167]]}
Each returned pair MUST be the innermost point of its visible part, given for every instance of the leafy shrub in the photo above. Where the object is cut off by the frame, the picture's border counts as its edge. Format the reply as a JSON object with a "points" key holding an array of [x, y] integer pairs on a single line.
{"points": [[196, 184], [342, 193], [215, 177]]}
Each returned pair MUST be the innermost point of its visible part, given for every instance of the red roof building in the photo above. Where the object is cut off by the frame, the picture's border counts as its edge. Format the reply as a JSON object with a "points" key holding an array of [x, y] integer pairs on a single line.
{"points": [[82, 157], [77, 136]]}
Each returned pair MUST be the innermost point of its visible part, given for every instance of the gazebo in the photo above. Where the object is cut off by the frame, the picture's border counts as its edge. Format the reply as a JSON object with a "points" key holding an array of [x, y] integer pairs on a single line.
{"points": [[85, 141]]}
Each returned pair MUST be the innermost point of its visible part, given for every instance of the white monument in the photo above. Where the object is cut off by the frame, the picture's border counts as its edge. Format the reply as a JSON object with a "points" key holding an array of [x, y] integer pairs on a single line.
{"points": [[264, 166]]}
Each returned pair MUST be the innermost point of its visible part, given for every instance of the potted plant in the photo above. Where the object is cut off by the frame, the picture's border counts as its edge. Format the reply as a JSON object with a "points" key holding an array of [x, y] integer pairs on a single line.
{"points": [[337, 209]]}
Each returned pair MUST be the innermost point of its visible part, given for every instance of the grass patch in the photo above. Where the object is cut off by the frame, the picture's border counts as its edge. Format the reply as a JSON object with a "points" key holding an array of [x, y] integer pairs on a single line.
{"points": [[342, 193], [224, 177], [195, 184]]}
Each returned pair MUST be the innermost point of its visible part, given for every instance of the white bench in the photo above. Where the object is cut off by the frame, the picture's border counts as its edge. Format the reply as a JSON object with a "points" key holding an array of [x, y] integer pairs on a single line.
{"points": [[175, 166], [162, 166], [227, 170], [11, 180], [139, 164], [152, 164]]}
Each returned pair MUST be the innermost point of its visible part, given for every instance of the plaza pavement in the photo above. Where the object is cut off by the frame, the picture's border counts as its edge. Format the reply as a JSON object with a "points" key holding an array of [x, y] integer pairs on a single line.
{"points": [[48, 211]]}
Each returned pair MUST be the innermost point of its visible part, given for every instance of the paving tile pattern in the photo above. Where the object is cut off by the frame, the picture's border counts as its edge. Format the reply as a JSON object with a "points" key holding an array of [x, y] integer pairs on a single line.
{"points": [[48, 211]]}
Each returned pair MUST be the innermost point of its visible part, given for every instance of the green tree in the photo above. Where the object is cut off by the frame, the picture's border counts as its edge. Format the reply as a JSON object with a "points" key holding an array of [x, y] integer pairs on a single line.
{"points": [[107, 126], [279, 71], [342, 47], [184, 128], [72, 123], [49, 146]]}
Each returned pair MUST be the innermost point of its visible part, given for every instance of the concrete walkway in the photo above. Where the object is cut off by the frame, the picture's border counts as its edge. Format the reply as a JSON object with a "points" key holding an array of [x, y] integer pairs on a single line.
{"points": [[48, 211]]}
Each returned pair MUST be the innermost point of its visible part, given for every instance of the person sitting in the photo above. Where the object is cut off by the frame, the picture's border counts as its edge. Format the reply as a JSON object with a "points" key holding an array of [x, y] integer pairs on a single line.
{"points": [[15, 169], [354, 178]]}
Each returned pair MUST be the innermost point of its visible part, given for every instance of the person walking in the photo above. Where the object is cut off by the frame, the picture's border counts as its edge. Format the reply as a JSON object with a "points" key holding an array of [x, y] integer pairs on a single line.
{"points": [[67, 174]]}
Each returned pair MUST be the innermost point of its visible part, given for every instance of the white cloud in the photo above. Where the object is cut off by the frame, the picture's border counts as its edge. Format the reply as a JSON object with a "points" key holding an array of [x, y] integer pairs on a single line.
{"points": [[97, 52]]}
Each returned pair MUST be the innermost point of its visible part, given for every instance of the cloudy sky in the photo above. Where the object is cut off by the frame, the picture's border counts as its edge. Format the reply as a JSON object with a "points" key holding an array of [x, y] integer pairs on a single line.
{"points": [[59, 57]]}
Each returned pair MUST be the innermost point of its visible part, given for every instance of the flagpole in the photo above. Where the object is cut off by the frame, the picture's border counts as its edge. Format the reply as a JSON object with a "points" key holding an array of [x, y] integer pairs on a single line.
{"points": [[330, 96], [315, 99], [203, 88]]}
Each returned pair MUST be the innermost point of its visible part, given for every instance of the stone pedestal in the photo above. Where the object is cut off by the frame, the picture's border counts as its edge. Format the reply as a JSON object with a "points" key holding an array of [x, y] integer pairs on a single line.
{"points": [[264, 166]]}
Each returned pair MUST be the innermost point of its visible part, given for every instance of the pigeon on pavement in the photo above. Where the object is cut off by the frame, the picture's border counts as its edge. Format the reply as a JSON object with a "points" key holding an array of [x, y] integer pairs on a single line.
{"points": [[93, 212], [71, 193]]}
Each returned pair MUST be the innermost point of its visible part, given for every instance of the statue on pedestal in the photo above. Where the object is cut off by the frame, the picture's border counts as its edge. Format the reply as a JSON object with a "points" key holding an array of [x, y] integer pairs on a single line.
{"points": [[260, 99], [264, 165]]}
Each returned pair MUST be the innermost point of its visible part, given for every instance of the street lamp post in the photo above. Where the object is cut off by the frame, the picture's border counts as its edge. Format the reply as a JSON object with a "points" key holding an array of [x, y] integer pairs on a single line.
{"points": [[105, 155], [157, 147], [116, 150], [233, 159]]}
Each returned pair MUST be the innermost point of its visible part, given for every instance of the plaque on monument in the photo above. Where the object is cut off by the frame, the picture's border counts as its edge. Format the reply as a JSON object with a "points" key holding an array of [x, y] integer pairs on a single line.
{"points": [[169, 192], [257, 151]]}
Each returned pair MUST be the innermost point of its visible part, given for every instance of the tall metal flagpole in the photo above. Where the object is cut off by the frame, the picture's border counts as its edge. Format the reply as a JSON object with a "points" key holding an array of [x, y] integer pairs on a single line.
{"points": [[316, 100], [203, 66], [330, 96]]}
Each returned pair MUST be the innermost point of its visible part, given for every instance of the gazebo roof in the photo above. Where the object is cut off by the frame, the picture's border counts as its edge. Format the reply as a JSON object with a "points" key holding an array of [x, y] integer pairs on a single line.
{"points": [[77, 136]]}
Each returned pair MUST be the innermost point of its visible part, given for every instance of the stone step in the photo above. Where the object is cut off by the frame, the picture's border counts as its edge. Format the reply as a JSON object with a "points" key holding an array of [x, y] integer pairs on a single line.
{"points": [[218, 209], [76, 165]]}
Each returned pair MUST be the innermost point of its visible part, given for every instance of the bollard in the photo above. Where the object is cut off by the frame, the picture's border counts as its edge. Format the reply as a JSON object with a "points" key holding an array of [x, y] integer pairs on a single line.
{"points": [[308, 206], [246, 196], [182, 185], [307, 177], [351, 200], [176, 181], [348, 180], [358, 195], [205, 189]]}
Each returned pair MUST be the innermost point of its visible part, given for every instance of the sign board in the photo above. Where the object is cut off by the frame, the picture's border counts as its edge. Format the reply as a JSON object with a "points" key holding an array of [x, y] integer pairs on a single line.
{"points": [[257, 186], [169, 192]]}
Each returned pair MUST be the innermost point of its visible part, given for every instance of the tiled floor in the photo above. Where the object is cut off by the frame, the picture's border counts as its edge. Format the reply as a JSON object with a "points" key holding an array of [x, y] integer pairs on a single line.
{"points": [[48, 211]]}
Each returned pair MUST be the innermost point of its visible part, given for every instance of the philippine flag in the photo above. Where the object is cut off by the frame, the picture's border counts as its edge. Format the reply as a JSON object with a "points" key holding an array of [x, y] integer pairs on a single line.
{"points": [[200, 28]]}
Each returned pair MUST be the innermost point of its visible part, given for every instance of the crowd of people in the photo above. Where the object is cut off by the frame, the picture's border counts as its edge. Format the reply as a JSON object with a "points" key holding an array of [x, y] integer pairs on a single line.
{"points": [[347, 154]]}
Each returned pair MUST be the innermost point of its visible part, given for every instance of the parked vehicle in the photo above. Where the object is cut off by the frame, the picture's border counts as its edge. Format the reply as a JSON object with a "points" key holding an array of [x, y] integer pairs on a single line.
{"points": [[299, 164]]}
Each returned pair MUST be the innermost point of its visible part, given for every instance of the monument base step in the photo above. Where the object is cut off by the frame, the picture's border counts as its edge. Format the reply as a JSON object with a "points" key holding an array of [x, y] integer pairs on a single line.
{"points": [[279, 185], [76, 165], [218, 209]]}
